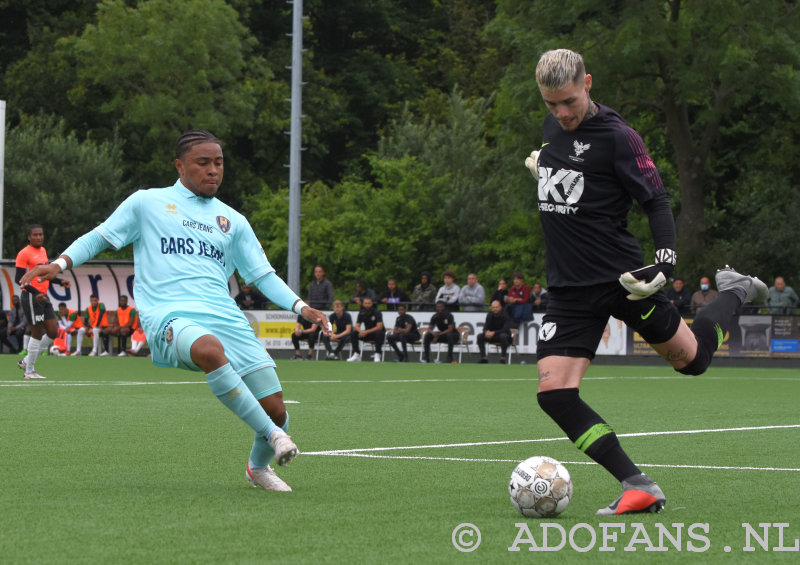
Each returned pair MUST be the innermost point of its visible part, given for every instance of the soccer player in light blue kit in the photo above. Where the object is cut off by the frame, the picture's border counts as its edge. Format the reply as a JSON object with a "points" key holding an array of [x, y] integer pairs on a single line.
{"points": [[186, 246]]}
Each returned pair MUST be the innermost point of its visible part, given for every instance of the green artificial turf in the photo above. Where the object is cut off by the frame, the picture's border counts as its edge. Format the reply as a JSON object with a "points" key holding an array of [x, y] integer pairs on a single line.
{"points": [[115, 461]]}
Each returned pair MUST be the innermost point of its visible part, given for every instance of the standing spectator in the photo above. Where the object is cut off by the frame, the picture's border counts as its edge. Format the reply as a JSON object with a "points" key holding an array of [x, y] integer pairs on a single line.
{"points": [[449, 292], [341, 327], [304, 330], [424, 294], [472, 297], [680, 296], [405, 331], [70, 321], [519, 298], [501, 293], [369, 327], [96, 321], [393, 295], [442, 327], [362, 292], [320, 291], [538, 298], [122, 324], [250, 298], [18, 324], [35, 303], [704, 296], [496, 329], [781, 299]]}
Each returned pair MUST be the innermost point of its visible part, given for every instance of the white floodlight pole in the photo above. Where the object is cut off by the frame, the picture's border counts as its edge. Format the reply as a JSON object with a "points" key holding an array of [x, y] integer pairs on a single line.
{"points": [[295, 148]]}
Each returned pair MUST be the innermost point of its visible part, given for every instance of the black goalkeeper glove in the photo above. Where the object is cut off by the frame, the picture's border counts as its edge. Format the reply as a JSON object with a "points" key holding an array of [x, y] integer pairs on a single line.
{"points": [[643, 282]]}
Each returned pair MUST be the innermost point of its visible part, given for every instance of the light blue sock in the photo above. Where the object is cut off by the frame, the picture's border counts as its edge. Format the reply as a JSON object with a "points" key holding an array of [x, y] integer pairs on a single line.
{"points": [[261, 454], [229, 388]]}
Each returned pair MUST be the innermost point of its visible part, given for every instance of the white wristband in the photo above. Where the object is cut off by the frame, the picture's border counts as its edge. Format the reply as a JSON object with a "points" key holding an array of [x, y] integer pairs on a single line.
{"points": [[62, 263], [298, 307]]}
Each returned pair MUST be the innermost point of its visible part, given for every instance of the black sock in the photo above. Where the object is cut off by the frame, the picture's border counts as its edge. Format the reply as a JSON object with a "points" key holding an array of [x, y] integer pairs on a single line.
{"points": [[709, 327], [587, 430]]}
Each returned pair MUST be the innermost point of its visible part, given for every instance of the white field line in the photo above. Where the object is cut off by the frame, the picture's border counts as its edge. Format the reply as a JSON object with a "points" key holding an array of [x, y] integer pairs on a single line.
{"points": [[54, 382], [540, 440], [475, 460]]}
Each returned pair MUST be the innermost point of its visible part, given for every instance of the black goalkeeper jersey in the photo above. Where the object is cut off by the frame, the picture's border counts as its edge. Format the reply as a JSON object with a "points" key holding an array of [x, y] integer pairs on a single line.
{"points": [[588, 179]]}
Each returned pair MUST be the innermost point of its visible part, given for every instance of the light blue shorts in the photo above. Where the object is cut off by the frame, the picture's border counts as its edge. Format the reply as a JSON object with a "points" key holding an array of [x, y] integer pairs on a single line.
{"points": [[244, 352]]}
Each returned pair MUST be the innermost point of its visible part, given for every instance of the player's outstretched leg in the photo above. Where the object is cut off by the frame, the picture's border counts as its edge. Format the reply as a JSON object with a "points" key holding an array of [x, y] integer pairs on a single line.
{"points": [[640, 494], [714, 321], [277, 445]]}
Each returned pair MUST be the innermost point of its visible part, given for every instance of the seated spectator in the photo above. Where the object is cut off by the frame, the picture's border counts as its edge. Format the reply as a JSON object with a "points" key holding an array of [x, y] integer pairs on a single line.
{"points": [[405, 331], [496, 329], [369, 327], [250, 298], [393, 295], [518, 300], [320, 290], [449, 292], [501, 292], [680, 296], [538, 298], [704, 296], [341, 327], [781, 299], [304, 331], [442, 327], [70, 321], [472, 297], [424, 294], [18, 329], [4, 341], [362, 292]]}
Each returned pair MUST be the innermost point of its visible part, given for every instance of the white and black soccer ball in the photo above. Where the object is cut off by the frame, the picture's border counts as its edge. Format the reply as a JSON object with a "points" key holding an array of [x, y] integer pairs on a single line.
{"points": [[540, 487]]}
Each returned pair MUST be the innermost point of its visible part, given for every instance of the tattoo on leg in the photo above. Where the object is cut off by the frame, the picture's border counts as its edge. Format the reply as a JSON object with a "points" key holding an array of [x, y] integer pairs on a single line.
{"points": [[675, 356]]}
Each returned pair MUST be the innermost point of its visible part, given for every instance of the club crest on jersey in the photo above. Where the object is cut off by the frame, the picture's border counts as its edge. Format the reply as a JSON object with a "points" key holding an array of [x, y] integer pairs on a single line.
{"points": [[224, 224], [579, 149], [169, 335]]}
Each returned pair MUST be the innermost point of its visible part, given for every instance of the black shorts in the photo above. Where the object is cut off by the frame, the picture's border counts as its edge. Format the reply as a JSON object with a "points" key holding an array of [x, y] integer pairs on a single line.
{"points": [[576, 317], [37, 311]]}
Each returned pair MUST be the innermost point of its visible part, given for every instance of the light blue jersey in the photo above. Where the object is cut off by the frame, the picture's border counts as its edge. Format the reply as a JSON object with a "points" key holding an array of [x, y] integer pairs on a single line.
{"points": [[186, 248]]}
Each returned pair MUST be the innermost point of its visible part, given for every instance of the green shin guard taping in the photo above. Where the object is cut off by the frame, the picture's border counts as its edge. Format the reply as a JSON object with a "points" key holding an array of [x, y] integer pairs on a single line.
{"points": [[261, 453], [591, 435], [231, 391]]}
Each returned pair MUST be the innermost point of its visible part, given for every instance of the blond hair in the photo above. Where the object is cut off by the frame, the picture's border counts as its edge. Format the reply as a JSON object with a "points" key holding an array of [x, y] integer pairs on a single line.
{"points": [[559, 68]]}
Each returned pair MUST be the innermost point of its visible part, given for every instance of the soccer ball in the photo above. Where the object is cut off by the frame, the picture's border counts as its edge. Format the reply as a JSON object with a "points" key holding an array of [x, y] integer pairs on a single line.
{"points": [[55, 351], [540, 487]]}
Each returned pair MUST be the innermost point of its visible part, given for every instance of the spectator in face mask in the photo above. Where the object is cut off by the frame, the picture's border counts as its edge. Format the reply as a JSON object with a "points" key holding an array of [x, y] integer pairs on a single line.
{"points": [[704, 296]]}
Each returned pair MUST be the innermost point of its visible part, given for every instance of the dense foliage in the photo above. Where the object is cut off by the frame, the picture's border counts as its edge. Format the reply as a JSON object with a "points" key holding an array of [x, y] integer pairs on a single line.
{"points": [[418, 116]]}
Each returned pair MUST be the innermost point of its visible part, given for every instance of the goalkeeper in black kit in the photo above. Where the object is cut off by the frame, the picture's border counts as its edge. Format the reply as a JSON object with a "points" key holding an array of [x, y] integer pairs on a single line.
{"points": [[590, 168]]}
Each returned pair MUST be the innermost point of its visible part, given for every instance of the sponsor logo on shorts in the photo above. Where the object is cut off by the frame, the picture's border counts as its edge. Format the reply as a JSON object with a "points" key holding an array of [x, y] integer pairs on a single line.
{"points": [[547, 331], [167, 332]]}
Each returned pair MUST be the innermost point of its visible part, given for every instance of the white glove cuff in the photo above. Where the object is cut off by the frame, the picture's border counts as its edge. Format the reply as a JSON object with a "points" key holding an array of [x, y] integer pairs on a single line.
{"points": [[666, 256]]}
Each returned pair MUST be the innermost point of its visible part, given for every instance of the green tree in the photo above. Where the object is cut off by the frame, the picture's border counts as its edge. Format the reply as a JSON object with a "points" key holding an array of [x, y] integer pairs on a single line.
{"points": [[53, 179], [166, 66], [369, 230]]}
